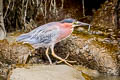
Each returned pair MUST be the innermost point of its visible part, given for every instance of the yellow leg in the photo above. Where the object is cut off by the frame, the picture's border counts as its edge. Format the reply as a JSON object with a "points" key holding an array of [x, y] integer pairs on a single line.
{"points": [[54, 55], [67, 60], [48, 55]]}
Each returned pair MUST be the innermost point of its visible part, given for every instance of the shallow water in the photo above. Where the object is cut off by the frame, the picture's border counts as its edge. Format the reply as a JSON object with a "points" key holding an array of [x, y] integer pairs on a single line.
{"points": [[107, 77]]}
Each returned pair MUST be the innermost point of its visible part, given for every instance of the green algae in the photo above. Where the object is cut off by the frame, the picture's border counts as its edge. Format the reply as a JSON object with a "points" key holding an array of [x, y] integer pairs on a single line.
{"points": [[23, 65], [22, 44], [87, 77], [110, 48], [16, 33], [88, 35], [82, 34], [4, 41]]}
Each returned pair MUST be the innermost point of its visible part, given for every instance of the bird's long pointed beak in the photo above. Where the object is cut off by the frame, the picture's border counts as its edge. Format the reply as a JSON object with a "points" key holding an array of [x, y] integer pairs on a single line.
{"points": [[84, 24]]}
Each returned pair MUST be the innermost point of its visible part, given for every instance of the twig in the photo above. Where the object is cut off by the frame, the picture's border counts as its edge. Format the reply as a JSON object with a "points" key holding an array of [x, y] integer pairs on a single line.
{"points": [[33, 2], [13, 5], [23, 9], [50, 5], [41, 7], [62, 4], [45, 9], [7, 8], [37, 1], [25, 14], [83, 7], [54, 10]]}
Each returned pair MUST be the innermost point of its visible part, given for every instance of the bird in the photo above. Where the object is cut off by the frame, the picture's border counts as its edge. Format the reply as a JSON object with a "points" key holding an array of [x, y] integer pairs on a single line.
{"points": [[49, 34]]}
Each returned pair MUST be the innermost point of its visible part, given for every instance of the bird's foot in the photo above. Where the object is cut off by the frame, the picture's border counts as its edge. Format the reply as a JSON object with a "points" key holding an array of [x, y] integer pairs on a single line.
{"points": [[62, 60], [66, 61]]}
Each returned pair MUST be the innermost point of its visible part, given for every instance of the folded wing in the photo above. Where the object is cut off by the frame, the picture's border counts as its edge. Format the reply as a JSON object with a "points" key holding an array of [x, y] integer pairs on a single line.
{"points": [[42, 35]]}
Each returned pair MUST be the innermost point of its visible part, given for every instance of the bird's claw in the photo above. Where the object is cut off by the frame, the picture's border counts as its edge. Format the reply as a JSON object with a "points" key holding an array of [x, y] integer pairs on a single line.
{"points": [[66, 60]]}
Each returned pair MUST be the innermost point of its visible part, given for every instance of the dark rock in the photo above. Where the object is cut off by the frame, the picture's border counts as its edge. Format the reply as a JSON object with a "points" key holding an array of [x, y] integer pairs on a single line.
{"points": [[90, 53], [15, 53]]}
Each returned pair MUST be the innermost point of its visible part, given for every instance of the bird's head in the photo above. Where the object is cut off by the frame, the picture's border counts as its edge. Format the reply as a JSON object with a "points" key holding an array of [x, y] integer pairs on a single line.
{"points": [[75, 23]]}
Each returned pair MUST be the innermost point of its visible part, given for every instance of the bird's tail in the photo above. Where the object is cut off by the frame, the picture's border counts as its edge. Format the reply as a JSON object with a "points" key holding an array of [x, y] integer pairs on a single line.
{"points": [[22, 37]]}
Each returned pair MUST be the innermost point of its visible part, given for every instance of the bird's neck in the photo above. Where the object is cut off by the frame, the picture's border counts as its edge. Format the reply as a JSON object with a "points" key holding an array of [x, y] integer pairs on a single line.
{"points": [[67, 25], [65, 31]]}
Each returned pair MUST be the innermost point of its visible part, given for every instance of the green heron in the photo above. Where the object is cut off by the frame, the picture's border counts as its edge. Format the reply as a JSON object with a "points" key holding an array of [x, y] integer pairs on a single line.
{"points": [[49, 34]]}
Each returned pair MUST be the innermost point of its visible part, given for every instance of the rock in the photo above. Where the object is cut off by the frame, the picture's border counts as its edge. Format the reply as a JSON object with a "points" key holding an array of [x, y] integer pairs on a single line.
{"points": [[90, 72], [47, 72], [102, 17], [81, 29], [86, 50], [12, 53]]}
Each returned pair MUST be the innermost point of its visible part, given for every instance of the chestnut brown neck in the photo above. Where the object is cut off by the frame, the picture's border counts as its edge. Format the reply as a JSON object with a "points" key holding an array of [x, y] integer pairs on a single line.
{"points": [[67, 25]]}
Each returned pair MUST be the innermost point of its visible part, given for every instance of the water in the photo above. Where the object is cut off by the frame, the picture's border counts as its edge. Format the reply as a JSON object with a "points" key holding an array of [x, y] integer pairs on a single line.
{"points": [[107, 77]]}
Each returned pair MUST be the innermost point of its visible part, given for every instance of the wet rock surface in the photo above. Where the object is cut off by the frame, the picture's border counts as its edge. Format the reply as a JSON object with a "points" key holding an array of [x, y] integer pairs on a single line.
{"points": [[12, 53], [105, 16], [89, 51], [47, 72]]}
